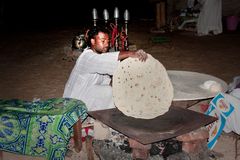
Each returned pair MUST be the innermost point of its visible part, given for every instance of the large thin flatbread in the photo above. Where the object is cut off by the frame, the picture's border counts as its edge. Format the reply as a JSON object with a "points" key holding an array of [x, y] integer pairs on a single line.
{"points": [[142, 89]]}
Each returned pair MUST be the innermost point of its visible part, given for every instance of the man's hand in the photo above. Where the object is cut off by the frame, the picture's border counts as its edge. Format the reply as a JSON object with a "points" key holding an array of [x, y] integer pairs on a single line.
{"points": [[140, 54]]}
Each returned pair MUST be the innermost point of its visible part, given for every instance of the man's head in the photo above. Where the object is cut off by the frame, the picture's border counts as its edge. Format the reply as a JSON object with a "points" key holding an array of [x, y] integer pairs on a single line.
{"points": [[98, 39]]}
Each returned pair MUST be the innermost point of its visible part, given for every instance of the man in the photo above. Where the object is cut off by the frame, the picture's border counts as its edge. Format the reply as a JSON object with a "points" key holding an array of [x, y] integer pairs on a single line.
{"points": [[210, 17], [91, 76]]}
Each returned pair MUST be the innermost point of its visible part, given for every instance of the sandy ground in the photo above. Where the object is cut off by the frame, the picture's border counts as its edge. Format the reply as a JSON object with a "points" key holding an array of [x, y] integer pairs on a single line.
{"points": [[32, 65]]}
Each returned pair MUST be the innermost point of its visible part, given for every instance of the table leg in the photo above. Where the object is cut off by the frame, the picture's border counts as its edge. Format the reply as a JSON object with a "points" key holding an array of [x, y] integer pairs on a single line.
{"points": [[237, 138], [77, 135], [1, 155], [89, 148]]}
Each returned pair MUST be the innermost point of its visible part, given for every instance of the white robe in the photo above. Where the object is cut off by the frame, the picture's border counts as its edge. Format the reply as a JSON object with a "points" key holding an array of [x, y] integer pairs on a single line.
{"points": [[89, 79], [210, 17]]}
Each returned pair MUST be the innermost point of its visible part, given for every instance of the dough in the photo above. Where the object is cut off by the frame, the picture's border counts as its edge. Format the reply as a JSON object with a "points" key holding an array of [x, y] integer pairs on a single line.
{"points": [[142, 89], [212, 86]]}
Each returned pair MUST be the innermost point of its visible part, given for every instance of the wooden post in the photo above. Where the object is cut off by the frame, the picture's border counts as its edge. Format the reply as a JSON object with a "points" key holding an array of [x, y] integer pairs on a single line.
{"points": [[158, 19], [160, 15]]}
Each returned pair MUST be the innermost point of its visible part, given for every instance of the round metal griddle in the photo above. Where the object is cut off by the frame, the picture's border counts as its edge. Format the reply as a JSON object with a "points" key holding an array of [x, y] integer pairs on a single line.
{"points": [[187, 84]]}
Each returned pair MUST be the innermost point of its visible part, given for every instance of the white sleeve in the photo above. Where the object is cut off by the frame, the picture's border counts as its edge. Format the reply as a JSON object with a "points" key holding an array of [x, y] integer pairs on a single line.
{"points": [[104, 63]]}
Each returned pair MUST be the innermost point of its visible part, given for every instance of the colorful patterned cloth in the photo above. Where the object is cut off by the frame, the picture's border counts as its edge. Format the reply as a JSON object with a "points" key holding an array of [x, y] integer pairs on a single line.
{"points": [[41, 128]]}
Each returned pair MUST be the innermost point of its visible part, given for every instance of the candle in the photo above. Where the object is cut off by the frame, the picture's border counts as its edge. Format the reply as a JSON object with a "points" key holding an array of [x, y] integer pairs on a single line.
{"points": [[105, 15], [126, 15], [94, 13], [116, 13]]}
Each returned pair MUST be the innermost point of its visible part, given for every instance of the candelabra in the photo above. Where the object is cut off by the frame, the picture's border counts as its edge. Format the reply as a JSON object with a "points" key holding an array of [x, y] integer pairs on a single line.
{"points": [[116, 32]]}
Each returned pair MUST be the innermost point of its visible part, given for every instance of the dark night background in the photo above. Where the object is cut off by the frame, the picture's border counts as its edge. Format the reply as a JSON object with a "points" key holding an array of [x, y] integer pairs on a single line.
{"points": [[46, 13]]}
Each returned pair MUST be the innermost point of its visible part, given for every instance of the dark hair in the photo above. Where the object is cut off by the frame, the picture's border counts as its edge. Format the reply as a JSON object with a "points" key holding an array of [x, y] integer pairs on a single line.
{"points": [[92, 32]]}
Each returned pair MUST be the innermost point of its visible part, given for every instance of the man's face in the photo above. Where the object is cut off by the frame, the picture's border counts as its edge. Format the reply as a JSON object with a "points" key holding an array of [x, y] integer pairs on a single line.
{"points": [[100, 43]]}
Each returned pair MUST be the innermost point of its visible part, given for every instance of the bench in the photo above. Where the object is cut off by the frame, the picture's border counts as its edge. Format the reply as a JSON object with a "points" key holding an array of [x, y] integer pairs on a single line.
{"points": [[41, 128]]}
